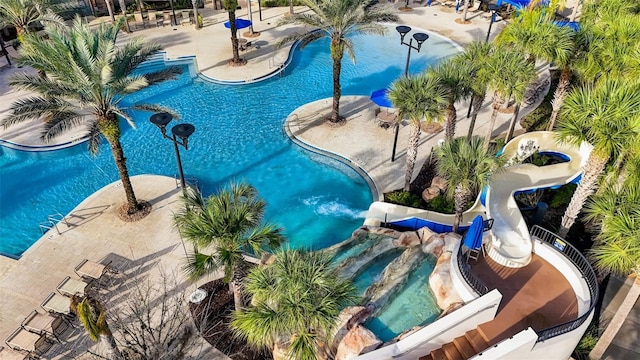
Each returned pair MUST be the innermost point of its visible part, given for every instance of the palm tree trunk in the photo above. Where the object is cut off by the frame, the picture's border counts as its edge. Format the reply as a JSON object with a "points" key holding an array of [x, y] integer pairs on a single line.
{"points": [[110, 9], [465, 7], [123, 9], [237, 295], [195, 14], [590, 174], [290, 7], [460, 199], [512, 124], [234, 36], [477, 105], [559, 95], [121, 164], [450, 129], [492, 120], [109, 344], [336, 54], [412, 152]]}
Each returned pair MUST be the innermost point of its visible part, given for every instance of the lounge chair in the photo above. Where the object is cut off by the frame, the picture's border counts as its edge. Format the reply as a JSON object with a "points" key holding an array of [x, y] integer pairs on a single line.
{"points": [[166, 16], [46, 324], [140, 20], [27, 342], [91, 270], [70, 287], [57, 304], [186, 18], [154, 19]]}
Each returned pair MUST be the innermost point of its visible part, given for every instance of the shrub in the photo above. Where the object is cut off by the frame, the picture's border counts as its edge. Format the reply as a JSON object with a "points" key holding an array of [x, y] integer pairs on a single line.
{"points": [[586, 344], [441, 204], [537, 119], [562, 196], [405, 198], [277, 3]]}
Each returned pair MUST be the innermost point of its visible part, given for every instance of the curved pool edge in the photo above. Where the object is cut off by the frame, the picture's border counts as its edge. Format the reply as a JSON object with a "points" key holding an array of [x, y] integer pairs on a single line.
{"points": [[373, 188]]}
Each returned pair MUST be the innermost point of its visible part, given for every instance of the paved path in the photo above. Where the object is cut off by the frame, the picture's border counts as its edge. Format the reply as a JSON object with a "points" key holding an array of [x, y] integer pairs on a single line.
{"points": [[96, 233]]}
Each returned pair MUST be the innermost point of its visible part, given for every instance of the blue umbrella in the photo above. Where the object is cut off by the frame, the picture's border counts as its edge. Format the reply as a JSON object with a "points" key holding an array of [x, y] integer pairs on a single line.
{"points": [[240, 24], [572, 24], [381, 97], [473, 237]]}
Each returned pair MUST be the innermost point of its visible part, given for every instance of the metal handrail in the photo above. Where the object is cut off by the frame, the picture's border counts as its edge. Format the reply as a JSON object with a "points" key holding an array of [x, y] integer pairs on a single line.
{"points": [[471, 279], [52, 222], [573, 254]]}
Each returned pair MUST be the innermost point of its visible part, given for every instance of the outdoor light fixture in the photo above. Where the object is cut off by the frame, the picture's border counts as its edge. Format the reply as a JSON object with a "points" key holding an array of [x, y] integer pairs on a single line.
{"points": [[420, 38], [180, 136], [494, 9]]}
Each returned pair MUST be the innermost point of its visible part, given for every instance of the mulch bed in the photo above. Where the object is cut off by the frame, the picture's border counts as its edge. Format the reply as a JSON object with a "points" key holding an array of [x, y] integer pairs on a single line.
{"points": [[213, 315]]}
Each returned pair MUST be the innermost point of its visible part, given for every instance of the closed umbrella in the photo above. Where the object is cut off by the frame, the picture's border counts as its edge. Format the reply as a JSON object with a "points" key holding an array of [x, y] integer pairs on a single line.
{"points": [[473, 237], [240, 24]]}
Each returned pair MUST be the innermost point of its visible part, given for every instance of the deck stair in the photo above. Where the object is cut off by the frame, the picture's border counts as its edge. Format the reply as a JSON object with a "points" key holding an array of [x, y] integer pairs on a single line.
{"points": [[461, 348]]}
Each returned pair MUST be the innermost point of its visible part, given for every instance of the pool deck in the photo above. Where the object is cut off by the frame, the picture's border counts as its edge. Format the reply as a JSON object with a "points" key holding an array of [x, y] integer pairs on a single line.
{"points": [[139, 249]]}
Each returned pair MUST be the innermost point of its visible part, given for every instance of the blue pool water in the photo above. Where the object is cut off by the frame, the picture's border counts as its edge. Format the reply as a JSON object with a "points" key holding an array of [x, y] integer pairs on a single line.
{"points": [[414, 305], [238, 137], [373, 271]]}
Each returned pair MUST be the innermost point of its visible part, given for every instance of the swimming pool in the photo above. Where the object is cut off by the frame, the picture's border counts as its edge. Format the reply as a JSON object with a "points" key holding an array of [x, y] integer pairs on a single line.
{"points": [[238, 137]]}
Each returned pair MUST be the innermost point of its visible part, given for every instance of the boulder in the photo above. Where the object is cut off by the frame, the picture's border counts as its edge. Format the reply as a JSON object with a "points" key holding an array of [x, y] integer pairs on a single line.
{"points": [[359, 340], [441, 283], [362, 230], [440, 182], [343, 322], [429, 193], [425, 234], [407, 239], [434, 245]]}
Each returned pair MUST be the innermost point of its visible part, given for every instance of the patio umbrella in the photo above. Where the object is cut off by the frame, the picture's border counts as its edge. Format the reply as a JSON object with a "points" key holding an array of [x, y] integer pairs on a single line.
{"points": [[473, 237], [240, 24], [380, 97]]}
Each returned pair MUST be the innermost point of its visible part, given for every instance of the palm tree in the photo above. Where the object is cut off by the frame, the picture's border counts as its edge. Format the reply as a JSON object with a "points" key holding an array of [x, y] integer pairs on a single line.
{"points": [[336, 20], [508, 75], [617, 245], [295, 303], [535, 34], [23, 13], [606, 116], [88, 78], [94, 320], [420, 99], [230, 223], [467, 166], [452, 76], [475, 59], [231, 6]]}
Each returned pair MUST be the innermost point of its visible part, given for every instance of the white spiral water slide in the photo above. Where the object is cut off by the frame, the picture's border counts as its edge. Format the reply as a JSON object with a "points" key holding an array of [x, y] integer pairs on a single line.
{"points": [[510, 240]]}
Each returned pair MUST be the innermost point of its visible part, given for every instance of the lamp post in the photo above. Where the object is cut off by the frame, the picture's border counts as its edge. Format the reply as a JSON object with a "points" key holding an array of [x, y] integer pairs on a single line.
{"points": [[494, 9], [179, 136], [4, 50], [174, 22], [420, 38]]}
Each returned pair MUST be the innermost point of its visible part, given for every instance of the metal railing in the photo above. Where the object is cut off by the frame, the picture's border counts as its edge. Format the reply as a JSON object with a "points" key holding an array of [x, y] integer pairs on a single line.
{"points": [[580, 262], [469, 277], [52, 222]]}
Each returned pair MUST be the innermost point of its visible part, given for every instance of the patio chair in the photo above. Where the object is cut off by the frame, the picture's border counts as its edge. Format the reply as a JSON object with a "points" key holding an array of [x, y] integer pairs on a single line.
{"points": [[166, 17], [69, 287], [46, 324], [154, 19], [186, 17], [34, 345], [57, 304], [140, 21], [92, 270]]}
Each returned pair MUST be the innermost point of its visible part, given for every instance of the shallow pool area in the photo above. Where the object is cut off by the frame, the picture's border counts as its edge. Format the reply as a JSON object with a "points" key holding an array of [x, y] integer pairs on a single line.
{"points": [[239, 136], [414, 305]]}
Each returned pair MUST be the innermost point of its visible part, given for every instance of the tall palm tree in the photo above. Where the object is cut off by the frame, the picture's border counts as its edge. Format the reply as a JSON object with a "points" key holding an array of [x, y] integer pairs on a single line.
{"points": [[475, 58], [508, 75], [606, 116], [88, 78], [467, 166], [230, 224], [24, 13], [452, 76], [94, 320], [420, 99], [336, 20], [295, 303], [231, 6], [535, 34]]}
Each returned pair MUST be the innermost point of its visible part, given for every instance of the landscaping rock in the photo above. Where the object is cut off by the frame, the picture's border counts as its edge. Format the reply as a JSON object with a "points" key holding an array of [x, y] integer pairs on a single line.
{"points": [[440, 182], [357, 341], [429, 193]]}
